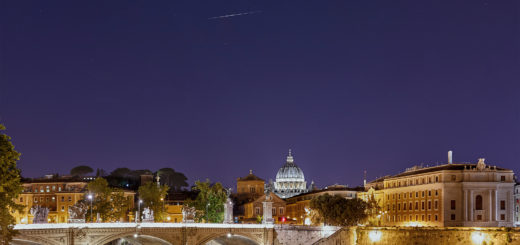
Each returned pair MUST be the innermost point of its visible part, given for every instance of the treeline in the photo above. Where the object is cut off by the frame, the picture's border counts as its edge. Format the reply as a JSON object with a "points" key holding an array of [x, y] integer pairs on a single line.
{"points": [[131, 179]]}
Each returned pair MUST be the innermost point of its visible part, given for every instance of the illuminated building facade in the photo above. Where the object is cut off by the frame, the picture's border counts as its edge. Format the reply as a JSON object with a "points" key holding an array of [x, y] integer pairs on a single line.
{"points": [[517, 205], [290, 180], [250, 184], [448, 195], [57, 196], [254, 209]]}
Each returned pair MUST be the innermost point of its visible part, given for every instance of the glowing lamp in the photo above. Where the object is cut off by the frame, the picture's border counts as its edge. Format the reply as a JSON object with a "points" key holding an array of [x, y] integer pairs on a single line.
{"points": [[477, 237], [374, 235]]}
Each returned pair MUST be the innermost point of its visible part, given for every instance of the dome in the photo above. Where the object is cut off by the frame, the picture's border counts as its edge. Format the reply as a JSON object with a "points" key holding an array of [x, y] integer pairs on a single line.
{"points": [[289, 171]]}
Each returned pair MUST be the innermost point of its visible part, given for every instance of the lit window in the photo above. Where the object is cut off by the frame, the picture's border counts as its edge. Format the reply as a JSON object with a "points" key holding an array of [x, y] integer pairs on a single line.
{"points": [[70, 199], [62, 208]]}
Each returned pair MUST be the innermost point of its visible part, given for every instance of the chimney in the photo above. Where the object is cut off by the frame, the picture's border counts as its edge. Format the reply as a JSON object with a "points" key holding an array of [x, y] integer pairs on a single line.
{"points": [[450, 157]]}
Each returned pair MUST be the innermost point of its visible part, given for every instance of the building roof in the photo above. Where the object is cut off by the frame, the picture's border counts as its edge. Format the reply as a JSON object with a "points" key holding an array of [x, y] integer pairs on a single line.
{"points": [[453, 166], [250, 177]]}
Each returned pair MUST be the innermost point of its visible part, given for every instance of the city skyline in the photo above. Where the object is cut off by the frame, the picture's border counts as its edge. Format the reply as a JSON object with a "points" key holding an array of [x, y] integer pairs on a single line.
{"points": [[348, 86]]}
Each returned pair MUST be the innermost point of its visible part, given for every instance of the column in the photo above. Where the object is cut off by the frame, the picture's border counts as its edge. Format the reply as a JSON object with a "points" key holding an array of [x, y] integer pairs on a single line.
{"points": [[471, 205], [465, 205], [490, 205], [496, 204]]}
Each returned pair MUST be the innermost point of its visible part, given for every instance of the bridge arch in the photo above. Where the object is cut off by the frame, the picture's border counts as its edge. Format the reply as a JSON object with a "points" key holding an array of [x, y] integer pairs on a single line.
{"points": [[27, 240], [230, 235], [131, 235]]}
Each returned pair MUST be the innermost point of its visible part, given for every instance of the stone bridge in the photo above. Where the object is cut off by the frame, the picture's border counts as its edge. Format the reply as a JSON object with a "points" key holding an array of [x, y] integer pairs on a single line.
{"points": [[168, 234]]}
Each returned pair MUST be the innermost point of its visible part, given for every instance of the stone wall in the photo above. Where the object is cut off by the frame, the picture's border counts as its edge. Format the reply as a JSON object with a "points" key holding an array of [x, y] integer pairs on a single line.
{"points": [[422, 235], [301, 235]]}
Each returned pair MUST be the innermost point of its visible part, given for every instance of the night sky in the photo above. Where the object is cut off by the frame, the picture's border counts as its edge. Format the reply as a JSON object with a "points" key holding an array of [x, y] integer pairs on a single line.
{"points": [[347, 85]]}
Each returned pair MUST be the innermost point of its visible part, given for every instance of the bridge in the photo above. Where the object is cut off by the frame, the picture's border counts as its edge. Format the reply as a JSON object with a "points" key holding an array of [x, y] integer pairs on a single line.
{"points": [[168, 234]]}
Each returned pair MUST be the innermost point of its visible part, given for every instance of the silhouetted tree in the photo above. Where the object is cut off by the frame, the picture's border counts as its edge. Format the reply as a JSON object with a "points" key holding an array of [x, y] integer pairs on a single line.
{"points": [[81, 170], [10, 187], [175, 180]]}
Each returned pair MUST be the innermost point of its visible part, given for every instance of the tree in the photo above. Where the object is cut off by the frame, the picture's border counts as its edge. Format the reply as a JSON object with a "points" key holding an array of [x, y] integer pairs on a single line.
{"points": [[175, 180], [373, 210], [153, 198], [209, 202], [336, 210], [10, 187], [102, 204], [120, 205], [81, 170]]}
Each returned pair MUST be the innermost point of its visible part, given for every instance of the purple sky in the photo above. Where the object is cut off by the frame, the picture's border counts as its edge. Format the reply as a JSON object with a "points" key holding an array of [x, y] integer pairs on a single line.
{"points": [[348, 85]]}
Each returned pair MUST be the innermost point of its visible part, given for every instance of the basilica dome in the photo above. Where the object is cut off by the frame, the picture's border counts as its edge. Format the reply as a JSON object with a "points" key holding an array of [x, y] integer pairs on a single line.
{"points": [[290, 180], [289, 171]]}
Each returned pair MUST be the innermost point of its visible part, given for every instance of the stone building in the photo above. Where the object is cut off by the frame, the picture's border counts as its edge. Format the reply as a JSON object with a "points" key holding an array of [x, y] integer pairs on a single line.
{"points": [[517, 205], [298, 206], [462, 194], [250, 184], [254, 209], [290, 180]]}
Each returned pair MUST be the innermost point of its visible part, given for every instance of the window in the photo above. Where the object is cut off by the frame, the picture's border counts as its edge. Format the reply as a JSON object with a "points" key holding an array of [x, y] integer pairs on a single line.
{"points": [[453, 205], [436, 178], [416, 205], [399, 197], [416, 194], [503, 178], [478, 202], [399, 206], [429, 179], [422, 217], [21, 199], [479, 217], [436, 217], [257, 210], [436, 204], [410, 207], [502, 217], [62, 208], [62, 198], [59, 188], [274, 211], [429, 205], [452, 216], [70, 199], [281, 211], [393, 207], [436, 192], [410, 218], [53, 188], [405, 195], [47, 188], [429, 217], [47, 199], [388, 207], [404, 207], [35, 199], [422, 205], [416, 217], [453, 177], [429, 193], [502, 205], [41, 199], [422, 193]]}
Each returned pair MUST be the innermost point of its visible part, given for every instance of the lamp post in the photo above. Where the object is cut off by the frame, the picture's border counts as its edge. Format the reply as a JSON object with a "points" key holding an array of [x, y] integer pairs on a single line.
{"points": [[91, 217], [139, 212]]}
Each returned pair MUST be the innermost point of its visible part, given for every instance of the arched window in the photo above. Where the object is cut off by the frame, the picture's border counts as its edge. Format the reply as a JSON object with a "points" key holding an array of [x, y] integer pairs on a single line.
{"points": [[478, 202]]}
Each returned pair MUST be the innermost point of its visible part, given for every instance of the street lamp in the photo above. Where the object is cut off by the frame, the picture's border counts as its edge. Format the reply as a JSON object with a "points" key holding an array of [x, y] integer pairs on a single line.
{"points": [[91, 217], [139, 212]]}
